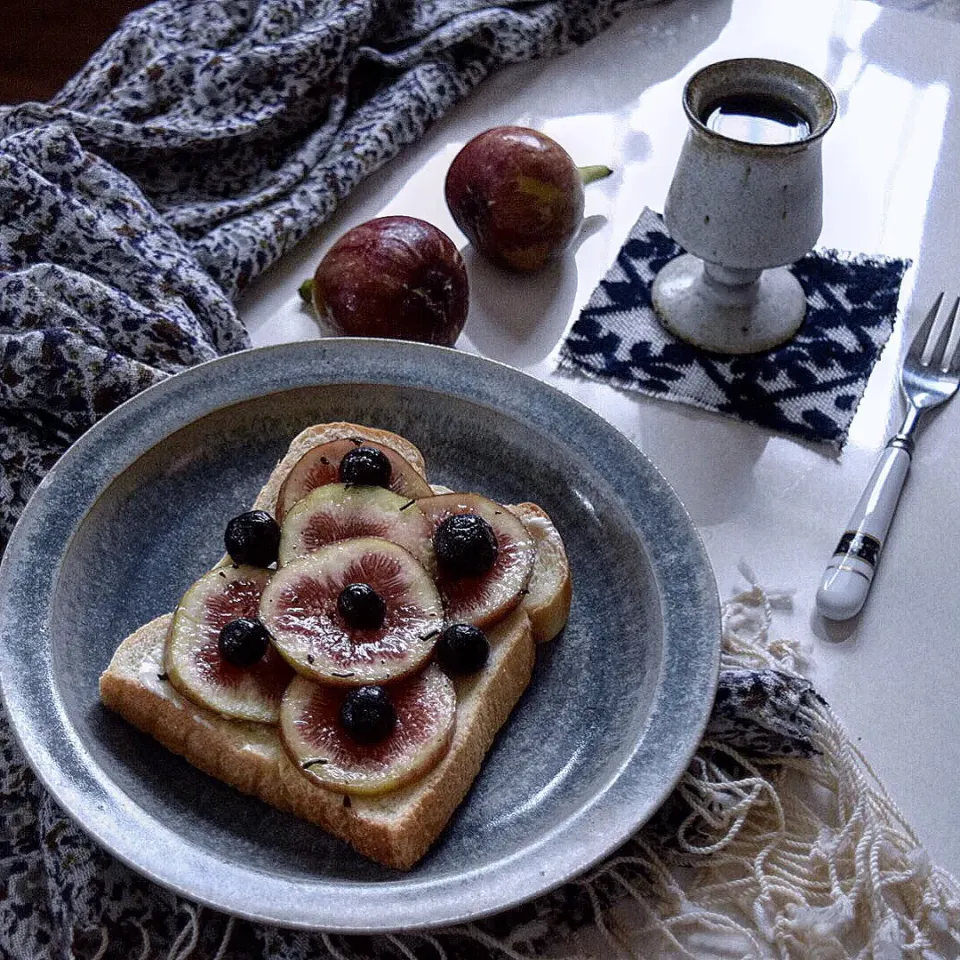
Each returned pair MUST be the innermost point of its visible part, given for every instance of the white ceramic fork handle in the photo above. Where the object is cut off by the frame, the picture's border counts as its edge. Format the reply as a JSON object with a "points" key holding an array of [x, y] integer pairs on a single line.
{"points": [[846, 581]]}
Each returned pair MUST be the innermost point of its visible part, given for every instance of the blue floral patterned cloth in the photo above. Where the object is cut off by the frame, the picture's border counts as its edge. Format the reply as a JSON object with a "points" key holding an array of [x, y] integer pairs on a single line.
{"points": [[198, 145], [807, 388]]}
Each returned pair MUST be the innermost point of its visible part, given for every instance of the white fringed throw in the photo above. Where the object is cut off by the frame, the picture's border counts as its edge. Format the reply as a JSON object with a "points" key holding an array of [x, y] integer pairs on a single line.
{"points": [[805, 857]]}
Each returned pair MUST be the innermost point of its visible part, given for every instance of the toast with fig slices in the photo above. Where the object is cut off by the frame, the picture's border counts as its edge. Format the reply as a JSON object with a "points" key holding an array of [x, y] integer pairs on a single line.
{"points": [[393, 824]]}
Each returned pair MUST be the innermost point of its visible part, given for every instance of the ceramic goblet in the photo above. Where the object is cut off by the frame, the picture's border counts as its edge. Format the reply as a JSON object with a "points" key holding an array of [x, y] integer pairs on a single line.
{"points": [[746, 199]]}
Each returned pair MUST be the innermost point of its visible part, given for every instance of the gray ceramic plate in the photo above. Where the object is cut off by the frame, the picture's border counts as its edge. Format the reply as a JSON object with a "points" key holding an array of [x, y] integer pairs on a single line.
{"points": [[135, 511]]}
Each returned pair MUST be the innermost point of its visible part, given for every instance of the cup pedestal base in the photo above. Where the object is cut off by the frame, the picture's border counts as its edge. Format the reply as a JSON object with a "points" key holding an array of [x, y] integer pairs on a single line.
{"points": [[728, 311]]}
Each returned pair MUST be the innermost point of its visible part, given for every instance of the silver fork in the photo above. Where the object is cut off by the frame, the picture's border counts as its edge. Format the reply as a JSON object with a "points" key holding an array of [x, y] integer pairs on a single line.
{"points": [[925, 384]]}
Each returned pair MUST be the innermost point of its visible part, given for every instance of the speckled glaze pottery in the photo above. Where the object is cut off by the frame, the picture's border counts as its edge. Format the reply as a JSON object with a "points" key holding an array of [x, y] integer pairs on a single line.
{"points": [[135, 511], [742, 210]]}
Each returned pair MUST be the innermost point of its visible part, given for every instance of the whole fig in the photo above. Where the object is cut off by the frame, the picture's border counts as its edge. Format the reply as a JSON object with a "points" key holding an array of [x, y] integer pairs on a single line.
{"points": [[518, 196], [396, 277]]}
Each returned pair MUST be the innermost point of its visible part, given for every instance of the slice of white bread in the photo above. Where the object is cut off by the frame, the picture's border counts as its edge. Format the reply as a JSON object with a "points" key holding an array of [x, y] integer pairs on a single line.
{"points": [[397, 828]]}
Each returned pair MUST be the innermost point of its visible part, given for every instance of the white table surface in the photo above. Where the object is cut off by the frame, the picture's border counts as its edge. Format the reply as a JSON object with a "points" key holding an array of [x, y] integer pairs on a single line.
{"points": [[892, 185]]}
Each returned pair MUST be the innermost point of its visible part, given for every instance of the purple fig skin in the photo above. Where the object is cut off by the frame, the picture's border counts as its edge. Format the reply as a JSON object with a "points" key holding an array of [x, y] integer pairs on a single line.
{"points": [[395, 277], [517, 195]]}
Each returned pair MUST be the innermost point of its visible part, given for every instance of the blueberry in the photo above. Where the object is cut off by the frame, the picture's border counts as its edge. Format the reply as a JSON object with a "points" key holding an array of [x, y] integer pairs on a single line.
{"points": [[367, 466], [253, 538], [361, 606], [466, 545], [462, 648], [367, 714], [243, 641]]}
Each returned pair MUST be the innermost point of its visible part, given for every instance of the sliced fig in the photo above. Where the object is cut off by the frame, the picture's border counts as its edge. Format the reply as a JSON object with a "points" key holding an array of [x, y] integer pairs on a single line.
{"points": [[300, 607], [321, 465], [192, 658], [484, 599], [314, 737], [338, 511]]}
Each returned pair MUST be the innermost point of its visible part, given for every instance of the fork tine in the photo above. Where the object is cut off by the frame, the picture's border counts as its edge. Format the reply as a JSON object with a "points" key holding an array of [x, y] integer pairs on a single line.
{"points": [[952, 364], [919, 342], [938, 358]]}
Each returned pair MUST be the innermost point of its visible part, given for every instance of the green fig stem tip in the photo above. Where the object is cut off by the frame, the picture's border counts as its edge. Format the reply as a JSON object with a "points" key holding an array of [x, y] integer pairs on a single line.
{"points": [[598, 172], [306, 290]]}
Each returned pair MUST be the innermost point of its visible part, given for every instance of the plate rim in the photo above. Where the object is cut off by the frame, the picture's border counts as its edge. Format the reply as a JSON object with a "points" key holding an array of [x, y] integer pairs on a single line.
{"points": [[280, 361]]}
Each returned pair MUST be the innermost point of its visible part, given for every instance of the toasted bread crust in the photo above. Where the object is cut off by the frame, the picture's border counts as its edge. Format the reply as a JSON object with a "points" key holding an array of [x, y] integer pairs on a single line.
{"points": [[550, 590], [395, 829]]}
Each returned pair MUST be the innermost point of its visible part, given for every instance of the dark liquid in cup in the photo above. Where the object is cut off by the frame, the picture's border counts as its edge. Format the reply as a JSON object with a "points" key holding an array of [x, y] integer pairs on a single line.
{"points": [[756, 120]]}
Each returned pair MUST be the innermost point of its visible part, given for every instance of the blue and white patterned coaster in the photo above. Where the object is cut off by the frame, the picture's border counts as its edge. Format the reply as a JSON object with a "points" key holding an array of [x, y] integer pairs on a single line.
{"points": [[808, 388]]}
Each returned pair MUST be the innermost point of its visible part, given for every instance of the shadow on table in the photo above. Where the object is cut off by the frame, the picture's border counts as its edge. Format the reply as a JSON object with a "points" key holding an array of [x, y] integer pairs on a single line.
{"points": [[518, 318], [712, 467], [840, 633], [641, 49]]}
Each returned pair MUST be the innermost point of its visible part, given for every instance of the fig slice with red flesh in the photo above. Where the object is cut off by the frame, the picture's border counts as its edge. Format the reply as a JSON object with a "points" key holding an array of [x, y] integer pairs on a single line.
{"points": [[488, 597], [340, 511], [192, 658], [300, 609], [314, 737], [321, 465]]}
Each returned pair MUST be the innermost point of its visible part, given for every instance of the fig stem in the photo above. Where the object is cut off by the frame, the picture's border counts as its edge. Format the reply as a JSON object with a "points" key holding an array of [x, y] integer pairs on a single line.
{"points": [[306, 290], [596, 172]]}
